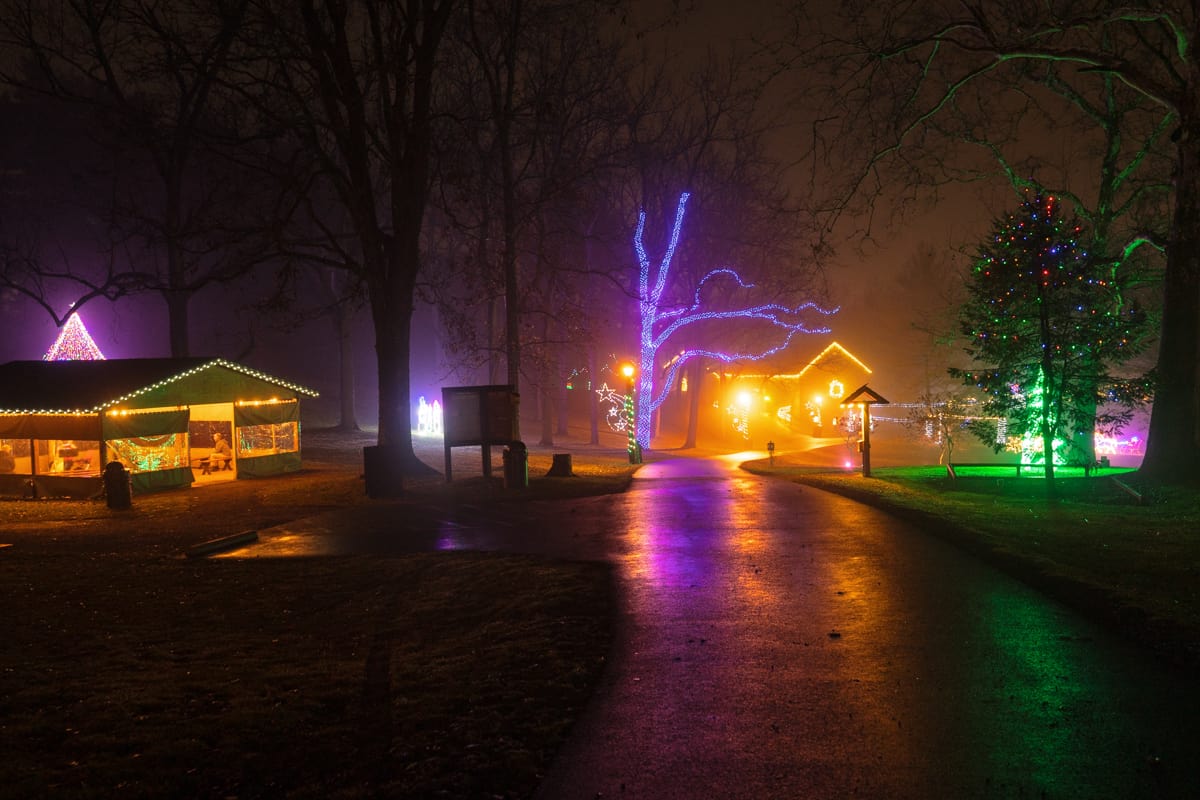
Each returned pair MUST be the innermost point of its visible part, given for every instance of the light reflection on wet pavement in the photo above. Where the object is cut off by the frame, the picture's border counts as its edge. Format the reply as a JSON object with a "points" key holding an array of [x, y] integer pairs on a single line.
{"points": [[781, 642]]}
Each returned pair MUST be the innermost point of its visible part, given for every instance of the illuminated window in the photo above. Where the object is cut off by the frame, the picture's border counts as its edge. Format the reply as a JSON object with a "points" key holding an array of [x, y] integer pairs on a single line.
{"points": [[14, 457], [78, 458], [150, 453], [266, 440]]}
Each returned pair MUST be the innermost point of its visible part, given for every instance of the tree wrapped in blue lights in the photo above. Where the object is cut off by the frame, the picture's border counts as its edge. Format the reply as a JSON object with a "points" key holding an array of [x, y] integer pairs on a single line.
{"points": [[660, 320], [1044, 323]]}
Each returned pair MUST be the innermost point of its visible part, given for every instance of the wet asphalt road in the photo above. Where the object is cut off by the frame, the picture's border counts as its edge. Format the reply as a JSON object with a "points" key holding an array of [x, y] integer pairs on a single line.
{"points": [[781, 642]]}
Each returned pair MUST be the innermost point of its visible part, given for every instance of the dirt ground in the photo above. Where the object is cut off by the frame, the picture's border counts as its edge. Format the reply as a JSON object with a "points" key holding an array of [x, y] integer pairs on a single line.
{"points": [[131, 670], [166, 524]]}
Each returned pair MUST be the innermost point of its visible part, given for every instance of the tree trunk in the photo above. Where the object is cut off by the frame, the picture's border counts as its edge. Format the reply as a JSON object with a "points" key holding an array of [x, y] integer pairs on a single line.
{"points": [[177, 322], [1083, 437], [392, 343], [503, 109], [348, 416], [593, 400], [546, 392], [493, 350], [563, 409], [1173, 444], [392, 313], [695, 379]]}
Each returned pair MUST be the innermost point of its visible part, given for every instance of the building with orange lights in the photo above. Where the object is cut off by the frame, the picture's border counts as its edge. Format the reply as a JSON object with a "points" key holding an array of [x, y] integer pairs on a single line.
{"points": [[164, 419], [808, 400]]}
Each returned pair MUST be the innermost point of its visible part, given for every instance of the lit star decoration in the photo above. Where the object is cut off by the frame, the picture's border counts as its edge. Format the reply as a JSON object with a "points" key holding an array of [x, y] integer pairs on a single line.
{"points": [[659, 324], [74, 343], [617, 404]]}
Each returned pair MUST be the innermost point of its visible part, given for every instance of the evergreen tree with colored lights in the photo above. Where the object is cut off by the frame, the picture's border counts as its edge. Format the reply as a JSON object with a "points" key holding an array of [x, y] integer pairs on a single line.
{"points": [[1045, 324]]}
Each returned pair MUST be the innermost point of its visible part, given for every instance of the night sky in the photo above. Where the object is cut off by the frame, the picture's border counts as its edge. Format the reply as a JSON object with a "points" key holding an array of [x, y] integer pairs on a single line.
{"points": [[869, 278]]}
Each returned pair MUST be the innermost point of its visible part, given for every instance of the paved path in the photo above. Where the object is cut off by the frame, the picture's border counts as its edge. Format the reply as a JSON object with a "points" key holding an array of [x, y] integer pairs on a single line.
{"points": [[781, 642]]}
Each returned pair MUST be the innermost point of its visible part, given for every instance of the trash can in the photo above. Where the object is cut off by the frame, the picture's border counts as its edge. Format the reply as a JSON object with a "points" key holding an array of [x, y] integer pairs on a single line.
{"points": [[383, 471], [516, 466], [118, 488]]}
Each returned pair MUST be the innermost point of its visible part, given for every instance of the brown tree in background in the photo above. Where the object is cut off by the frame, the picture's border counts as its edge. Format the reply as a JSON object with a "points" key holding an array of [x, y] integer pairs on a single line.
{"points": [[352, 86], [143, 78]]}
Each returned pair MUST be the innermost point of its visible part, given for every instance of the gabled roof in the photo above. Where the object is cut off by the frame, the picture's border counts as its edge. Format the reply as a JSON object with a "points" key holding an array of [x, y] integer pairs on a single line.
{"points": [[829, 352], [833, 350], [90, 386], [865, 394]]}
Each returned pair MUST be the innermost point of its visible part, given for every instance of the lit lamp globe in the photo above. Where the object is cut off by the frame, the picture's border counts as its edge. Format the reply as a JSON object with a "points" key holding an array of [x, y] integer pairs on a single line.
{"points": [[627, 371]]}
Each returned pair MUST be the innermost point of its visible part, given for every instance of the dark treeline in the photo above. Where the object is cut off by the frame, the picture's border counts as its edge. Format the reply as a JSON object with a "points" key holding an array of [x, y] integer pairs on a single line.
{"points": [[486, 159]]}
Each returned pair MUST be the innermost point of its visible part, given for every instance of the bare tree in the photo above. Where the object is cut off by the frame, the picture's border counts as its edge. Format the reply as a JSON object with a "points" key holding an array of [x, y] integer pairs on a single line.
{"points": [[353, 85], [147, 73], [660, 321], [704, 132], [54, 248], [894, 69], [531, 120]]}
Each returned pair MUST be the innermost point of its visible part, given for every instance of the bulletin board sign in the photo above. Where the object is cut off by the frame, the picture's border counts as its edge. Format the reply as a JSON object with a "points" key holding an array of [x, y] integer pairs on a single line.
{"points": [[479, 416]]}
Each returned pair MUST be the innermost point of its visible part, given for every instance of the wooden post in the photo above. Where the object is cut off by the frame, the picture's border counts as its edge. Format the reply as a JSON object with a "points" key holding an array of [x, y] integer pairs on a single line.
{"points": [[866, 440]]}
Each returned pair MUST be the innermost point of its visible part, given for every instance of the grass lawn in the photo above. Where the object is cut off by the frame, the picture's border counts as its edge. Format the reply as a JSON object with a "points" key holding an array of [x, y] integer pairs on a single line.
{"points": [[1136, 566], [458, 673], [129, 670]]}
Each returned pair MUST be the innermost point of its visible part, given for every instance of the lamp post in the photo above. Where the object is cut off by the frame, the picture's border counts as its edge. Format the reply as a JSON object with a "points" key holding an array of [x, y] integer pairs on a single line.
{"points": [[635, 449]]}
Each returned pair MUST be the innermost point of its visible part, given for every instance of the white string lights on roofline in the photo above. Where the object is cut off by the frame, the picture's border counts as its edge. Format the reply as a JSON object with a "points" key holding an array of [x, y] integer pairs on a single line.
{"points": [[108, 404]]}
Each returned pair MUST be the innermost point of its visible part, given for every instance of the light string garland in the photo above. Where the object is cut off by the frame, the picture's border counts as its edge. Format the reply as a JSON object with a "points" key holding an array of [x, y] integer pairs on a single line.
{"points": [[617, 413], [659, 324], [74, 343], [216, 362]]}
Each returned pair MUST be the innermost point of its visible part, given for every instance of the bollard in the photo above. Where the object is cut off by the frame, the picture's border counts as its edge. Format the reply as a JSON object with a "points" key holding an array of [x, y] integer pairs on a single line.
{"points": [[516, 466], [118, 487], [383, 471]]}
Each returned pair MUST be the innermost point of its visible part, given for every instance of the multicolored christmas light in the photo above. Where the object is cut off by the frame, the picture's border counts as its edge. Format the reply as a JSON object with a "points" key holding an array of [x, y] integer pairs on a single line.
{"points": [[74, 343], [1045, 321], [658, 324]]}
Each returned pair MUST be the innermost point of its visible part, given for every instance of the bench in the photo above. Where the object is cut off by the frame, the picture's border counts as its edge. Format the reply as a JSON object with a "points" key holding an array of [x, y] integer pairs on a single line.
{"points": [[210, 463], [952, 469]]}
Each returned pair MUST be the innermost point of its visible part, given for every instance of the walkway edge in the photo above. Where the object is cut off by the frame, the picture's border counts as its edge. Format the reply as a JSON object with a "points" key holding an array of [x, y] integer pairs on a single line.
{"points": [[223, 543]]}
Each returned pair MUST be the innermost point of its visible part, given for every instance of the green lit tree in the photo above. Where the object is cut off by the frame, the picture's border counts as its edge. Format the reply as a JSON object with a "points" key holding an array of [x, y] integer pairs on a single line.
{"points": [[1045, 325]]}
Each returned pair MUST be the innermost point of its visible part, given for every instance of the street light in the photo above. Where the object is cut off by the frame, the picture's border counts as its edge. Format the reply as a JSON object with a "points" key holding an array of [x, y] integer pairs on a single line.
{"points": [[635, 449]]}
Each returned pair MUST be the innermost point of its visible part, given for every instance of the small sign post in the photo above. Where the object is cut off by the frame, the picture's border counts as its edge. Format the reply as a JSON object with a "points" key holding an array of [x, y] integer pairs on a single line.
{"points": [[866, 397]]}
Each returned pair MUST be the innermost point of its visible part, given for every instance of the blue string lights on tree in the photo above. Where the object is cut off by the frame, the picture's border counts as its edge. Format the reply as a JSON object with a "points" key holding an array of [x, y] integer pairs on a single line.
{"points": [[659, 322]]}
